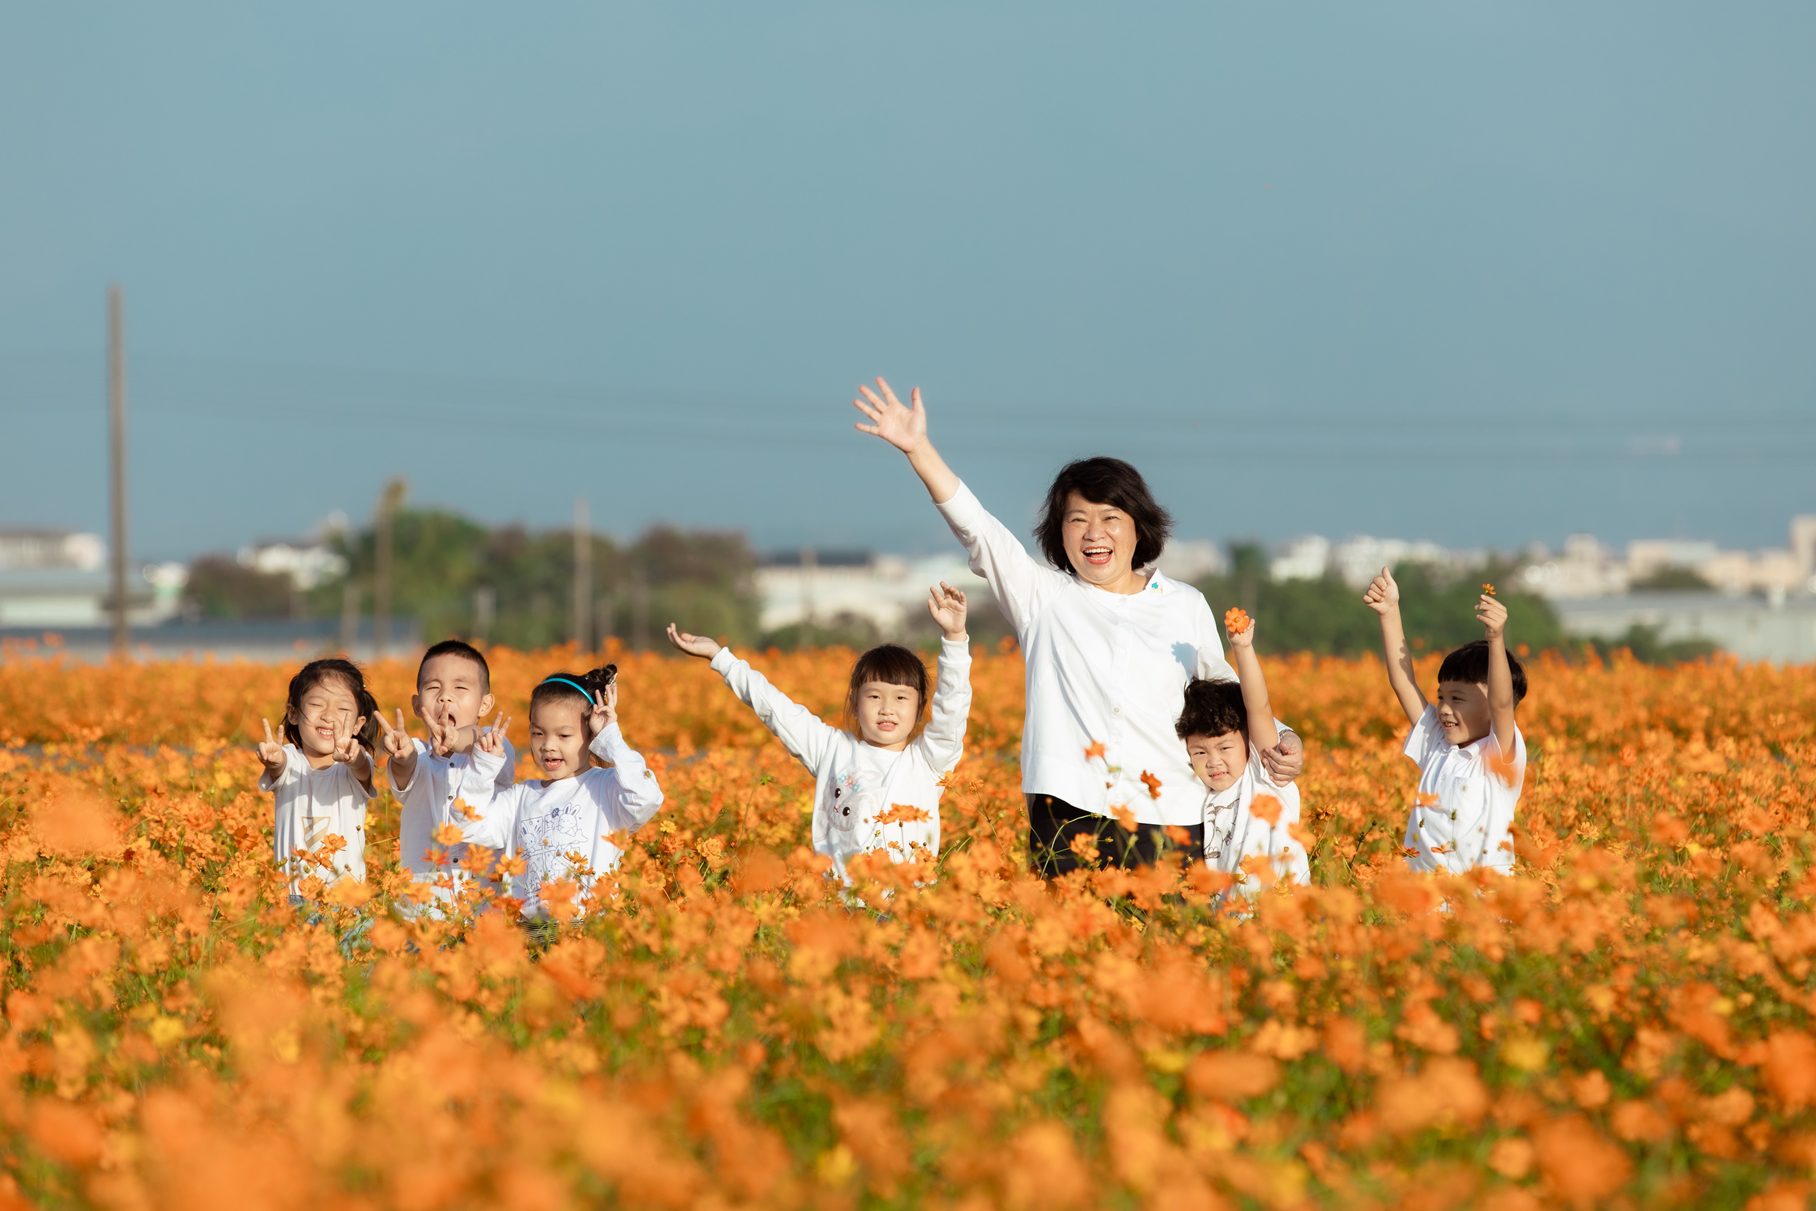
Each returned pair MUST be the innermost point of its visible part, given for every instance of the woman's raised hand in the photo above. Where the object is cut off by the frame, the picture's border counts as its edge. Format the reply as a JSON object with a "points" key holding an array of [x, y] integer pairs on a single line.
{"points": [[903, 427], [702, 646]]}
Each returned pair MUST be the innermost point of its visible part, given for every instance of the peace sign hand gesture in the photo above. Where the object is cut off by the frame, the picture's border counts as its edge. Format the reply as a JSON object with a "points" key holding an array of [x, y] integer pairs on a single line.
{"points": [[397, 739], [605, 709], [346, 740], [492, 740], [903, 427], [271, 752]]}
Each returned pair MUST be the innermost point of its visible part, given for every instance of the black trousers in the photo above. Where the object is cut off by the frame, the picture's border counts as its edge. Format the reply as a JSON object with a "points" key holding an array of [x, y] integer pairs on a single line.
{"points": [[1052, 823]]}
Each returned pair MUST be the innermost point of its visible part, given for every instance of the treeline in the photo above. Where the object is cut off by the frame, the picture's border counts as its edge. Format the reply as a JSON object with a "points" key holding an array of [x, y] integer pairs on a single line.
{"points": [[515, 587], [510, 585], [1326, 615]]}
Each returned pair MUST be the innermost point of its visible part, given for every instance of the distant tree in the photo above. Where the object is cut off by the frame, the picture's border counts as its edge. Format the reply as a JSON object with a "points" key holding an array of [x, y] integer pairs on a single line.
{"points": [[219, 587], [1327, 616], [1672, 577]]}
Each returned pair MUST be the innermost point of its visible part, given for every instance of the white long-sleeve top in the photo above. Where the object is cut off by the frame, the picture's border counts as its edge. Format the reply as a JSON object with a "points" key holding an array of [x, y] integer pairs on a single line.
{"points": [[1463, 816], [559, 828], [855, 781], [1234, 834], [1102, 668], [312, 805], [428, 803]]}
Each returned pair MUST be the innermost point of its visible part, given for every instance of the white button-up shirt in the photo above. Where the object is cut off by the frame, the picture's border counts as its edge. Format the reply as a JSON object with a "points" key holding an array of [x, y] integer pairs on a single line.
{"points": [[1104, 671], [1463, 817]]}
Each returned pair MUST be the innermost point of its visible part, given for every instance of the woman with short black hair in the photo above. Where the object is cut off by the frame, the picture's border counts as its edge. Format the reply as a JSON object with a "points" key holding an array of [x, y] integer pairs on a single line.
{"points": [[1110, 644]]}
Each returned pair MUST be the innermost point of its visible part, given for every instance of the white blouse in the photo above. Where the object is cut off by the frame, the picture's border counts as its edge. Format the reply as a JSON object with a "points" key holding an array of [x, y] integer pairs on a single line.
{"points": [[311, 806], [1103, 669], [1463, 816]]}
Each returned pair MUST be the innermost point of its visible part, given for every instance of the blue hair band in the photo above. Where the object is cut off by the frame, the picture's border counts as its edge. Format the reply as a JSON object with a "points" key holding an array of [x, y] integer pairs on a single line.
{"points": [[584, 692]]}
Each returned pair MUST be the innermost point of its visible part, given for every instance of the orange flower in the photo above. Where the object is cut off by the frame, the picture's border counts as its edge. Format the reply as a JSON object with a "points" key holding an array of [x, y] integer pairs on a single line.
{"points": [[1094, 751], [1152, 782], [1487, 588], [1265, 808], [1236, 620], [447, 834]]}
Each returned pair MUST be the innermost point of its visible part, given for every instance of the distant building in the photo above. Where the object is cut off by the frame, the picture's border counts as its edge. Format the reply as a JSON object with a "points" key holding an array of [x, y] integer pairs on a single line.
{"points": [[1752, 628], [1305, 558], [887, 590], [54, 598], [308, 562], [26, 547], [1585, 568]]}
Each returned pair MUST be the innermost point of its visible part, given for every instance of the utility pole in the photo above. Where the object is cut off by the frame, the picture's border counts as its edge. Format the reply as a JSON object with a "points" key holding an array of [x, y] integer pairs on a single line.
{"points": [[583, 576], [389, 502], [116, 426]]}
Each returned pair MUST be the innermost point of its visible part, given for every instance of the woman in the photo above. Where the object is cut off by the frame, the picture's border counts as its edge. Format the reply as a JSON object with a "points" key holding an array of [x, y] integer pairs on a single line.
{"points": [[1109, 642]]}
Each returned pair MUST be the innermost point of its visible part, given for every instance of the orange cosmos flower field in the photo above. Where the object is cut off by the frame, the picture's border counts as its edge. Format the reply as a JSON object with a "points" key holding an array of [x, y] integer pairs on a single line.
{"points": [[1627, 1023]]}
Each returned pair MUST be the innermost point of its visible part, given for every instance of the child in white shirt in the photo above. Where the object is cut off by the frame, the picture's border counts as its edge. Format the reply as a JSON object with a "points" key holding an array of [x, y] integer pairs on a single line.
{"points": [[556, 829], [877, 784], [453, 691], [1248, 815], [1470, 754], [320, 776]]}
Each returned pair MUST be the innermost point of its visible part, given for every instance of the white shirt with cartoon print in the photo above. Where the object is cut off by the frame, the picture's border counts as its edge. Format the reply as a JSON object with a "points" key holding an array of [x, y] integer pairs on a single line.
{"points": [[1234, 834], [1463, 816], [855, 781], [559, 828]]}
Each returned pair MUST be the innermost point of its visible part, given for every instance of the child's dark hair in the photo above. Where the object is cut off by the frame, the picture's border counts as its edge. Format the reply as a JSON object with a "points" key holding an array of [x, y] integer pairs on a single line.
{"points": [[458, 647], [892, 664], [1212, 708], [578, 687], [1470, 663], [1103, 481], [332, 669]]}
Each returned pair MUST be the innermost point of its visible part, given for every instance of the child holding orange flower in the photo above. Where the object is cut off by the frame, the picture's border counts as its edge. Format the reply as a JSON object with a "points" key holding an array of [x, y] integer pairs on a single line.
{"points": [[1468, 747], [878, 784], [1248, 816]]}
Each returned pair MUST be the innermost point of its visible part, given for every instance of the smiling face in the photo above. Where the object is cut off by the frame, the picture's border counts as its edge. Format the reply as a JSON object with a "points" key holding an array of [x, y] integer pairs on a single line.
{"points": [[558, 736], [324, 708], [451, 688], [1100, 544], [1463, 711], [1218, 760], [887, 713]]}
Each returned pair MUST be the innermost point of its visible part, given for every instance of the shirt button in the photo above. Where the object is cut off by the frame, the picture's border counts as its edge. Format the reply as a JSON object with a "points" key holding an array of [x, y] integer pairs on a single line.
{"points": [[1116, 710]]}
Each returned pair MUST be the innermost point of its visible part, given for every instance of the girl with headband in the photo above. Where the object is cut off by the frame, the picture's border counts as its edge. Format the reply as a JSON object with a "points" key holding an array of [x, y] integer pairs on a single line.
{"points": [[554, 830]]}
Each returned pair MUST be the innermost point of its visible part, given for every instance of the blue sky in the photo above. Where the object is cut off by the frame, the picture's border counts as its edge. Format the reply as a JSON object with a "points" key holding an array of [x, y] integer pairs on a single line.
{"points": [[1469, 271]]}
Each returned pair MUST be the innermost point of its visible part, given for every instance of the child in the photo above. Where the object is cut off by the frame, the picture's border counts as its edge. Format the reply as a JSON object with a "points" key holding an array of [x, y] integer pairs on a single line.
{"points": [[453, 691], [556, 827], [1248, 816], [321, 776], [1470, 754], [876, 783]]}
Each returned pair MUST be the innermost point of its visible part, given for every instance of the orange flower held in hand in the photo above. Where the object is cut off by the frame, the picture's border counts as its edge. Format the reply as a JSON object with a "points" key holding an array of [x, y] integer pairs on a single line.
{"points": [[1236, 620]]}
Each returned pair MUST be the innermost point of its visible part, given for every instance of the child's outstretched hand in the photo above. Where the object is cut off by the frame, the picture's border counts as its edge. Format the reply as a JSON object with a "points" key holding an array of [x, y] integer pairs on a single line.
{"points": [[1492, 615], [1383, 595], [397, 739], [605, 709], [492, 739], [346, 742], [694, 645], [902, 427], [271, 751], [1241, 628], [947, 605]]}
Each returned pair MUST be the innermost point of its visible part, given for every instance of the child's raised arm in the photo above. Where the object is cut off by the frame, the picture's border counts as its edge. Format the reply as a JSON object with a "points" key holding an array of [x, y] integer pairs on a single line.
{"points": [[1262, 732], [1493, 617], [1383, 597], [799, 729], [944, 738]]}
